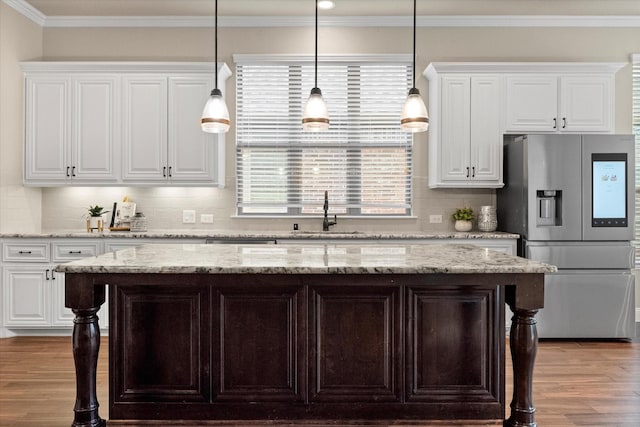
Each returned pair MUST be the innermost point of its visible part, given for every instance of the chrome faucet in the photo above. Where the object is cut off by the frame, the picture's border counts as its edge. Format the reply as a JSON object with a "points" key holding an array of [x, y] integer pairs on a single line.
{"points": [[326, 223]]}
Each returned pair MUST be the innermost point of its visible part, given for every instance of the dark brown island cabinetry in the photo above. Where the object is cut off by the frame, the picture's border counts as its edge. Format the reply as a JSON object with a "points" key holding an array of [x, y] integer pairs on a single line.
{"points": [[290, 347]]}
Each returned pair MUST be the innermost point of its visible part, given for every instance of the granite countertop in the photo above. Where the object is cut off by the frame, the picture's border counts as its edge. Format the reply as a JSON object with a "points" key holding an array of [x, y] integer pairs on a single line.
{"points": [[271, 235], [334, 258]]}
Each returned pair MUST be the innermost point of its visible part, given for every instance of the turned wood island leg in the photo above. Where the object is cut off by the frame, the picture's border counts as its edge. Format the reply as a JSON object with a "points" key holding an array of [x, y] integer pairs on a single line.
{"points": [[86, 345], [84, 298], [524, 345]]}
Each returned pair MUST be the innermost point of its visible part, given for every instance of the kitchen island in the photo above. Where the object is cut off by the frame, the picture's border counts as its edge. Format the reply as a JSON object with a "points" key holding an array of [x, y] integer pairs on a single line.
{"points": [[326, 331]]}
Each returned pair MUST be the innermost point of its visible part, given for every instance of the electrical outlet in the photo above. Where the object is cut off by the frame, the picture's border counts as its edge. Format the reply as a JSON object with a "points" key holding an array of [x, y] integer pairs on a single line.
{"points": [[206, 218], [188, 217], [435, 219]]}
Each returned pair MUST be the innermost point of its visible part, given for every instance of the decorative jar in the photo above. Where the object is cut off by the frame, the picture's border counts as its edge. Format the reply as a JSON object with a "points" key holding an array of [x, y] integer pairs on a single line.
{"points": [[487, 219], [138, 222]]}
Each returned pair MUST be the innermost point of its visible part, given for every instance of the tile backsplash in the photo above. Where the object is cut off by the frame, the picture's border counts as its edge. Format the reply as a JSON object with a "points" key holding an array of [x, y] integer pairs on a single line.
{"points": [[63, 208]]}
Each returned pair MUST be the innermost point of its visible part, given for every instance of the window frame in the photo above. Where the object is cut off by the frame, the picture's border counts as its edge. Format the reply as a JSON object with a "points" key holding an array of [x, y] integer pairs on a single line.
{"points": [[294, 207]]}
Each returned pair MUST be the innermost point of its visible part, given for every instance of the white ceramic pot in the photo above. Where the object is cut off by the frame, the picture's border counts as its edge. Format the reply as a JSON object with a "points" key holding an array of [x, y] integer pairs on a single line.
{"points": [[463, 225]]}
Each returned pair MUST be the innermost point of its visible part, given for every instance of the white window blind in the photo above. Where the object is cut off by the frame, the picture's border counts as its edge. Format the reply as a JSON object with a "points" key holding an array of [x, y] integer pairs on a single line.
{"points": [[364, 161], [635, 60]]}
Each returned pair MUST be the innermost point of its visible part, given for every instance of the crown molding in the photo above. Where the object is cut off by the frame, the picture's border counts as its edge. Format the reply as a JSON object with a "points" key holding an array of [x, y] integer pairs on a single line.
{"points": [[133, 67], [523, 67], [27, 10], [39, 18]]}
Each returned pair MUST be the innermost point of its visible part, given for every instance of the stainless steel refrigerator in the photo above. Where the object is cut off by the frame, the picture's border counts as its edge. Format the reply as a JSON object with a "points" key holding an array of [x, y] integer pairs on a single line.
{"points": [[571, 198]]}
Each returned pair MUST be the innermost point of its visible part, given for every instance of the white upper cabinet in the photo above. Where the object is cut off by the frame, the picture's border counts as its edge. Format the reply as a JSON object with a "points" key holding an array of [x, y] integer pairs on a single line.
{"points": [[144, 144], [465, 131], [163, 140], [120, 123], [191, 151], [532, 103], [561, 97], [72, 129], [472, 104]]}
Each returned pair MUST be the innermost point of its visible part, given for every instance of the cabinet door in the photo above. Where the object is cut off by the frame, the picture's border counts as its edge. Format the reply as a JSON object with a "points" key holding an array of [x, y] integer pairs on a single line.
{"points": [[586, 104], [191, 151], [95, 129], [532, 103], [26, 295], [47, 132], [355, 340], [455, 134], [253, 321], [145, 129], [455, 343], [486, 130]]}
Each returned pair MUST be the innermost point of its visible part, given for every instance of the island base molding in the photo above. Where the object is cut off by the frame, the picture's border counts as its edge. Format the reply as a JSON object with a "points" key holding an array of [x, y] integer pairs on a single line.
{"points": [[306, 347]]}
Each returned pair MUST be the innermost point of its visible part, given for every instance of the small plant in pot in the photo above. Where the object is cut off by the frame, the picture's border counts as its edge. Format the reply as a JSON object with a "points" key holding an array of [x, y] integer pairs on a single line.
{"points": [[463, 218], [95, 220]]}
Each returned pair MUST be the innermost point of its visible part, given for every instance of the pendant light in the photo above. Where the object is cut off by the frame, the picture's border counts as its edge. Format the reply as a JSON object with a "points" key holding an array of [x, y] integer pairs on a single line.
{"points": [[414, 112], [315, 116], [215, 116]]}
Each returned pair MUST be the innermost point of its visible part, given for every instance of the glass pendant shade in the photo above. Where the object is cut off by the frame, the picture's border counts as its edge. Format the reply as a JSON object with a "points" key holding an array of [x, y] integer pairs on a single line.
{"points": [[316, 115], [414, 113], [215, 116]]}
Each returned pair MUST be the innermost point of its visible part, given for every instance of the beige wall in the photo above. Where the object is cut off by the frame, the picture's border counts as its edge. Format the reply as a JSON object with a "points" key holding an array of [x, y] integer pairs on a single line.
{"points": [[20, 39]]}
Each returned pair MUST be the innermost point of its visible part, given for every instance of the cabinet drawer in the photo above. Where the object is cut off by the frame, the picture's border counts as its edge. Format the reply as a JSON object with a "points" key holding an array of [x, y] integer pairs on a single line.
{"points": [[26, 252], [71, 251]]}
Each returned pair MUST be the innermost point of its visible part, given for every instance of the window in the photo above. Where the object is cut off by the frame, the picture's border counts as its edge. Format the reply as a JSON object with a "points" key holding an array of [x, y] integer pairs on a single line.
{"points": [[635, 60], [364, 161]]}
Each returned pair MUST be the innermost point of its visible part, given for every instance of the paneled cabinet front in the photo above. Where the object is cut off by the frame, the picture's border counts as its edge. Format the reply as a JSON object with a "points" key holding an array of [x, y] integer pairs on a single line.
{"points": [[355, 344], [72, 129], [560, 103], [120, 123], [311, 346], [465, 134], [32, 292], [260, 351], [163, 141], [453, 356]]}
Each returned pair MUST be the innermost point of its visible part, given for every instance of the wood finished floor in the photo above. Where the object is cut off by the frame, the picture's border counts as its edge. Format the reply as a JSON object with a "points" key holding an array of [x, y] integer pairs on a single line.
{"points": [[575, 384]]}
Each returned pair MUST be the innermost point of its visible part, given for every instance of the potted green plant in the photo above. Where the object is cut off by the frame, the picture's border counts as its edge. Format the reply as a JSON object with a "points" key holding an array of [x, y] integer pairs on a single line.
{"points": [[94, 219], [463, 218]]}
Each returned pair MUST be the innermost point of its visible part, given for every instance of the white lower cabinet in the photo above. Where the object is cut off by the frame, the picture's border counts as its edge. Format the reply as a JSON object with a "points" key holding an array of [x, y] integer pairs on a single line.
{"points": [[32, 292], [27, 295]]}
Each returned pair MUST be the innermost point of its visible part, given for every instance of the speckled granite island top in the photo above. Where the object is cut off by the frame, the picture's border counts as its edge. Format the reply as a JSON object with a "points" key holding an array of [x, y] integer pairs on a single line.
{"points": [[306, 259], [273, 235]]}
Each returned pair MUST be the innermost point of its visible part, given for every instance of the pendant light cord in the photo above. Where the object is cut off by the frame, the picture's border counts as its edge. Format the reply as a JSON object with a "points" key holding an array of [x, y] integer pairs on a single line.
{"points": [[316, 58], [216, 42], [413, 72]]}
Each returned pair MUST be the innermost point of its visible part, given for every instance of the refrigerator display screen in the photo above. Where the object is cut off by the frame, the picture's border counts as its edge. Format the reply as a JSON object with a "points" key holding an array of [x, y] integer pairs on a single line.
{"points": [[609, 172]]}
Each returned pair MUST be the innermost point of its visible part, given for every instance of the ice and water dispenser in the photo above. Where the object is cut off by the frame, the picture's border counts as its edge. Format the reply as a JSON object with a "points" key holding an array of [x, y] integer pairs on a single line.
{"points": [[549, 207]]}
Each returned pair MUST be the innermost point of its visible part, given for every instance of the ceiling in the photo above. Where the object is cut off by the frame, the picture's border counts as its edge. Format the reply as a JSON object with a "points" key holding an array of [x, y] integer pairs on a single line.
{"points": [[129, 8]]}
